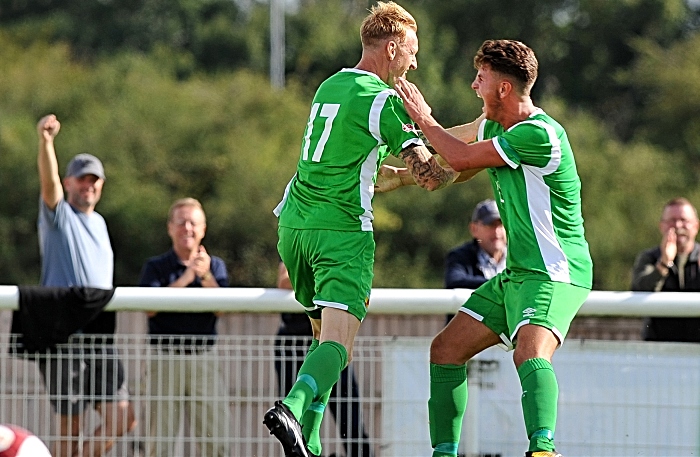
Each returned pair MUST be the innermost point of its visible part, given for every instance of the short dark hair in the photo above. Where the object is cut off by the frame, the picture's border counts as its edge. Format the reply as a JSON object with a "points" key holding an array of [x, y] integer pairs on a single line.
{"points": [[511, 58]]}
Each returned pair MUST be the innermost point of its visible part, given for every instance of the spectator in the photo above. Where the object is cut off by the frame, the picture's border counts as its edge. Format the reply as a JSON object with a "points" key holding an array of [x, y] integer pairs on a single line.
{"points": [[290, 350], [183, 365], [671, 267], [473, 263], [76, 251]]}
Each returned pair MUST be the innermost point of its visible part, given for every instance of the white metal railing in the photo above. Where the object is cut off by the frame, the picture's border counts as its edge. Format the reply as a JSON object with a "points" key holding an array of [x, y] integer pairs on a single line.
{"points": [[384, 301]]}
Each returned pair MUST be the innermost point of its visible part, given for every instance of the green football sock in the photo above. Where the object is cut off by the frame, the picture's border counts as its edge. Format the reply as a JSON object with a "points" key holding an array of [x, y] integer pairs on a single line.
{"points": [[317, 375], [311, 420], [448, 401], [539, 400], [311, 423]]}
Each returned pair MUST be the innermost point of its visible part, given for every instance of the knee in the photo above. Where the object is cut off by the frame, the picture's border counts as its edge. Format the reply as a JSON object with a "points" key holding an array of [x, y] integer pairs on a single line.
{"points": [[438, 351]]}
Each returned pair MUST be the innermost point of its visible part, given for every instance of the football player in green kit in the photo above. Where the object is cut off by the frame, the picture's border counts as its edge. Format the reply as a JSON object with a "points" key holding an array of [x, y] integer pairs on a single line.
{"points": [[548, 275], [325, 217]]}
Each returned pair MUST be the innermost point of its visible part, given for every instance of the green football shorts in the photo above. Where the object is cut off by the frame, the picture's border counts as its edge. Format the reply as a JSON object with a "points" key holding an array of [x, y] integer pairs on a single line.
{"points": [[329, 268], [505, 305]]}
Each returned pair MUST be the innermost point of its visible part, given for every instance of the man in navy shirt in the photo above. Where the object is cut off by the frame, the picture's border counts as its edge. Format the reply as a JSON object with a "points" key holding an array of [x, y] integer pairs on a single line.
{"points": [[183, 363]]}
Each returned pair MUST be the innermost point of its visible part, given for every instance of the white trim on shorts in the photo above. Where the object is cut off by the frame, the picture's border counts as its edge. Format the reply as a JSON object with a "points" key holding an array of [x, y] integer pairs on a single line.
{"points": [[506, 345], [330, 304]]}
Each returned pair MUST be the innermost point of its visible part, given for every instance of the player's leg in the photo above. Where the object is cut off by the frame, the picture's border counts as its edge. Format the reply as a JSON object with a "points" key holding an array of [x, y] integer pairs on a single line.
{"points": [[340, 265], [282, 422], [540, 312], [313, 416], [478, 326], [343, 272]]}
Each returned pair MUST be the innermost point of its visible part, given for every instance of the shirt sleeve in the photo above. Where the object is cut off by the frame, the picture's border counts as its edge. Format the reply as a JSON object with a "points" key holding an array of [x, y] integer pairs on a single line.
{"points": [[397, 129], [528, 143], [218, 269]]}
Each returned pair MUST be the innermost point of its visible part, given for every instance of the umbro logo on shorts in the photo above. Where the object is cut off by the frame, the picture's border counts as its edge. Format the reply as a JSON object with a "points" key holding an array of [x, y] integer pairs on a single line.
{"points": [[529, 312]]}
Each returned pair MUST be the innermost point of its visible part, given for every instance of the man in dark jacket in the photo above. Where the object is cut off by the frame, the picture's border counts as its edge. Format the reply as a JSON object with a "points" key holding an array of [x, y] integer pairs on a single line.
{"points": [[470, 265], [671, 267]]}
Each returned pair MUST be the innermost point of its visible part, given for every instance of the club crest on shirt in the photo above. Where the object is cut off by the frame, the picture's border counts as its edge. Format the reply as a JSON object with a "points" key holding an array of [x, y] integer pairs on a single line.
{"points": [[367, 302], [409, 128]]}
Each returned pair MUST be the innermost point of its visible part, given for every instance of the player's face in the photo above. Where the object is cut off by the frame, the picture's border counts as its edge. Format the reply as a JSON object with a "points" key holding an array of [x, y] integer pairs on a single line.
{"points": [[187, 228], [492, 237], [83, 192], [683, 220], [404, 57], [486, 84]]}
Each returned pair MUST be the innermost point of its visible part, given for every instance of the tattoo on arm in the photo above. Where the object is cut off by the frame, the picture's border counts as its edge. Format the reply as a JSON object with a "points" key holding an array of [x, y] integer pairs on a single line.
{"points": [[425, 169]]}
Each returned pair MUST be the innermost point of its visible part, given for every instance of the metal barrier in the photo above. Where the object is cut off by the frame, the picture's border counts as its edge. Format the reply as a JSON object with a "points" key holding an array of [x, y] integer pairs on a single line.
{"points": [[244, 367]]}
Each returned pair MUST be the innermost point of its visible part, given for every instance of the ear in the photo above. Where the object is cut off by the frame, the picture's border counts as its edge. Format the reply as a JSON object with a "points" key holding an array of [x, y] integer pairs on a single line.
{"points": [[505, 88], [391, 49]]}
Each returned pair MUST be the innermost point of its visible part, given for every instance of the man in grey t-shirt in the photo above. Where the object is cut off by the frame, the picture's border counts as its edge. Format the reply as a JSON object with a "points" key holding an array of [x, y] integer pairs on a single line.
{"points": [[76, 251]]}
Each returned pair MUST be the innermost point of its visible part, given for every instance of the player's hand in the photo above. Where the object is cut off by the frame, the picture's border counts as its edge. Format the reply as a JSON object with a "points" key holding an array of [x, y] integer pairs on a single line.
{"points": [[48, 127], [413, 100], [389, 178]]}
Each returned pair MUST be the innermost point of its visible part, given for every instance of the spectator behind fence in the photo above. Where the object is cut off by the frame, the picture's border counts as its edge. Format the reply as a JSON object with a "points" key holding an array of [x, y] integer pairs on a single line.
{"points": [[76, 251], [183, 365], [671, 267], [470, 265], [290, 350]]}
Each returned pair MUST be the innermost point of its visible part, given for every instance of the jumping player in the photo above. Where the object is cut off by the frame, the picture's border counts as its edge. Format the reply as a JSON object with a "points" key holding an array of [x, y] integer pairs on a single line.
{"points": [[548, 275], [325, 217]]}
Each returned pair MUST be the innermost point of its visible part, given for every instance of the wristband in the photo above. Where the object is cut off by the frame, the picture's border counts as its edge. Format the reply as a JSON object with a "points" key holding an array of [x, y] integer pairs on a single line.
{"points": [[206, 276]]}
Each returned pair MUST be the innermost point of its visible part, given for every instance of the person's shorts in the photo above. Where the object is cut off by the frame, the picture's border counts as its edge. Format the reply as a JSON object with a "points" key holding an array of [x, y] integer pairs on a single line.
{"points": [[505, 305], [76, 376], [329, 268]]}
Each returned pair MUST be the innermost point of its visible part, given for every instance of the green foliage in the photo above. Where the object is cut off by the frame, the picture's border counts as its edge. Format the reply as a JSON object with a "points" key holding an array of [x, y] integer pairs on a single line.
{"points": [[173, 96], [671, 113], [228, 141]]}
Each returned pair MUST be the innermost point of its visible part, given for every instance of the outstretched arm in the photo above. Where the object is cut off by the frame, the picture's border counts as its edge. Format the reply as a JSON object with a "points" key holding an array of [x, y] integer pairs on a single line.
{"points": [[425, 169], [390, 178], [459, 154], [51, 188]]}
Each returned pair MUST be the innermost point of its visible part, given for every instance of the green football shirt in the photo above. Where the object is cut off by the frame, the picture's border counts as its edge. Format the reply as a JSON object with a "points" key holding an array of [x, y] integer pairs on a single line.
{"points": [[356, 121], [538, 194]]}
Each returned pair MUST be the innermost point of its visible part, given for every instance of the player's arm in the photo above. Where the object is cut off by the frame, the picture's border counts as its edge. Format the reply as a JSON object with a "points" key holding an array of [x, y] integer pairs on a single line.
{"points": [[425, 169], [460, 155], [467, 132], [390, 178]]}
